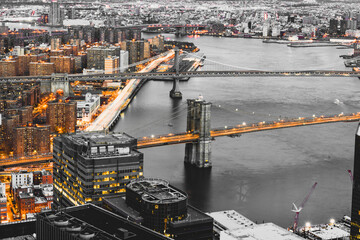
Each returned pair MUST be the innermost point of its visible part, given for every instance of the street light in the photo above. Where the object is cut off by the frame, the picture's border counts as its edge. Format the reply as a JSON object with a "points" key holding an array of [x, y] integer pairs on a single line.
{"points": [[332, 221]]}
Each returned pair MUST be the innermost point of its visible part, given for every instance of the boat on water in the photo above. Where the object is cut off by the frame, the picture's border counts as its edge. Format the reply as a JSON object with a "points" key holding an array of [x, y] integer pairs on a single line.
{"points": [[338, 102]]}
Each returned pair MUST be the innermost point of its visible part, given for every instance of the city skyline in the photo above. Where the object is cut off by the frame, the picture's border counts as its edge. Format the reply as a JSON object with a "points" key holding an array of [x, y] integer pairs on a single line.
{"points": [[86, 85]]}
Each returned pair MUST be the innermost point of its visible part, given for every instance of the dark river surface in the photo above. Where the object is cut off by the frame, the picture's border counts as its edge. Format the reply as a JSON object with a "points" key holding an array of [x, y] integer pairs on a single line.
{"points": [[258, 174]]}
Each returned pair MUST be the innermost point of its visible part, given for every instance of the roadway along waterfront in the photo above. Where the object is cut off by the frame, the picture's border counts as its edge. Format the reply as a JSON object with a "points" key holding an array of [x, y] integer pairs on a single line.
{"points": [[112, 111]]}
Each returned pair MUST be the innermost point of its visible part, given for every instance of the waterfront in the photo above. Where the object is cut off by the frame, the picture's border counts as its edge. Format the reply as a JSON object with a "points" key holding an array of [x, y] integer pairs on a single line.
{"points": [[259, 174]]}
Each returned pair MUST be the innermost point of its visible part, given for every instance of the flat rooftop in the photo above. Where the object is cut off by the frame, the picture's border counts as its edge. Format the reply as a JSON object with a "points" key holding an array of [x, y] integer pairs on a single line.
{"points": [[100, 138], [327, 232], [263, 231], [231, 220]]}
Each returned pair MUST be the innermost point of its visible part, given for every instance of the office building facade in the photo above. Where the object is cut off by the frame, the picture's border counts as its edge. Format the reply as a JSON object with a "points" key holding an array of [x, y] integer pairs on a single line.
{"points": [[89, 166]]}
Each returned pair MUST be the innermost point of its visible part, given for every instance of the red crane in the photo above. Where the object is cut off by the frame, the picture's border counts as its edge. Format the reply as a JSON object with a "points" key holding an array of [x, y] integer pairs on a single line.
{"points": [[298, 209]]}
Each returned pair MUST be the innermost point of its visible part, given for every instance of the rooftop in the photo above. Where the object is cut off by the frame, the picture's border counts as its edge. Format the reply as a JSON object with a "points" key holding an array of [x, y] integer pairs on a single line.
{"points": [[95, 220], [328, 232], [263, 231], [231, 220], [156, 190], [100, 138]]}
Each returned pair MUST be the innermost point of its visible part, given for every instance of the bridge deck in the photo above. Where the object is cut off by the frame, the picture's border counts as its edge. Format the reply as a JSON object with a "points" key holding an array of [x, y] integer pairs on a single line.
{"points": [[161, 140], [167, 75]]}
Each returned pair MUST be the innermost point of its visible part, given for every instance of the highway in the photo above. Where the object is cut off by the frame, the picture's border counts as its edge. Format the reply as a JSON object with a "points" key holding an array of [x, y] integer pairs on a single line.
{"points": [[25, 160], [160, 140], [112, 111]]}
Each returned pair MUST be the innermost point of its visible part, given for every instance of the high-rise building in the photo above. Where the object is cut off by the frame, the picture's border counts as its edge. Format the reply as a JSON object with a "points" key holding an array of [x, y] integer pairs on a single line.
{"points": [[111, 65], [63, 64], [55, 43], [157, 42], [61, 116], [41, 68], [80, 62], [96, 56], [91, 165], [9, 66], [157, 205], [42, 139], [19, 51], [124, 60], [355, 203], [131, 48], [24, 61], [25, 114], [138, 50]]}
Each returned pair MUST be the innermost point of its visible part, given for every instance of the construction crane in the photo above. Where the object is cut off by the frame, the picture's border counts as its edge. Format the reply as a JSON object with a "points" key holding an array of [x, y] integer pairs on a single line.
{"points": [[351, 176], [298, 209]]}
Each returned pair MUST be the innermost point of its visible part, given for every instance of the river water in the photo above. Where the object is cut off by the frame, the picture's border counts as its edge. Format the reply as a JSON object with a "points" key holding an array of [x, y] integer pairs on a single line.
{"points": [[258, 174]]}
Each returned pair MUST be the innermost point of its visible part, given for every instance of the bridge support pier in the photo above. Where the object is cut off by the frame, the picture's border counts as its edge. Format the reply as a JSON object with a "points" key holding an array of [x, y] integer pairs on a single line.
{"points": [[175, 91], [198, 122]]}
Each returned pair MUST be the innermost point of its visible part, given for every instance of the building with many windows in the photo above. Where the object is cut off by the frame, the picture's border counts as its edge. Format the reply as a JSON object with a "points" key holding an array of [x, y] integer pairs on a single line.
{"points": [[91, 165], [61, 116], [157, 205], [111, 65]]}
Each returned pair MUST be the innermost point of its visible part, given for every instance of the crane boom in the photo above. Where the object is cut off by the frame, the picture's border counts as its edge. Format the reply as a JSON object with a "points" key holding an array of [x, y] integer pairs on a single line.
{"points": [[308, 196], [297, 210], [351, 176]]}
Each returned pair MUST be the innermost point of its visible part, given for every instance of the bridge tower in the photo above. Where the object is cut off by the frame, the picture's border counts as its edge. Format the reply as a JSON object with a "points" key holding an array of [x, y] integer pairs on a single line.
{"points": [[198, 122], [180, 31], [175, 91], [60, 81]]}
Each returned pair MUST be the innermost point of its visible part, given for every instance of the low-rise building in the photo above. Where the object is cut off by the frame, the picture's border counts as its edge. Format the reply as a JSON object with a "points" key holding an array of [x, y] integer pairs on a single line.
{"points": [[86, 109], [3, 203]]}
